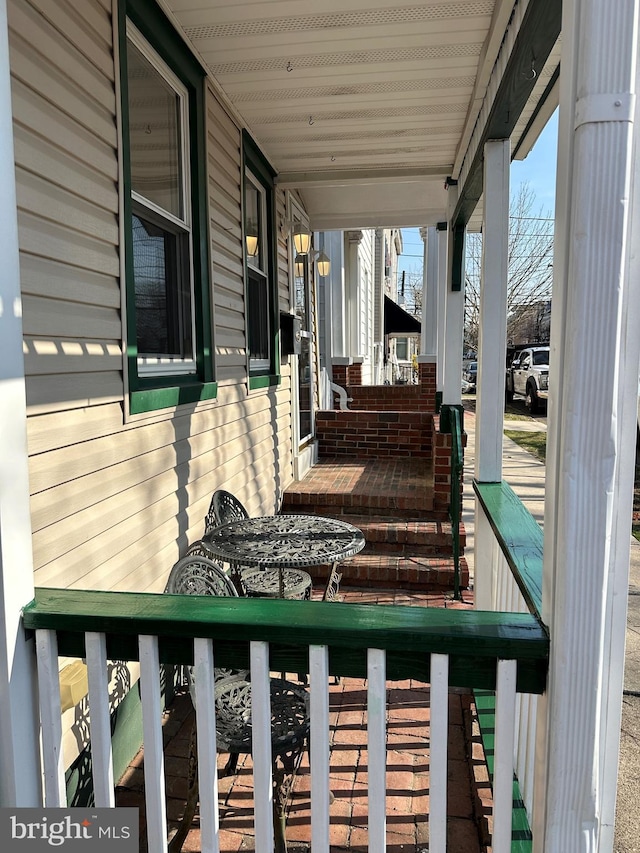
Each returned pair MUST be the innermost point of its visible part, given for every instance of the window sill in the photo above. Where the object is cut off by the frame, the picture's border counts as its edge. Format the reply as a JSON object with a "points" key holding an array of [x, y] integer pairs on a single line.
{"points": [[265, 381], [150, 399]]}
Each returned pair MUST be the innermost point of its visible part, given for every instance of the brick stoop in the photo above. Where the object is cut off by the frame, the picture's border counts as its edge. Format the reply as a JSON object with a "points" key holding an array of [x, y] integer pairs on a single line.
{"points": [[400, 488], [409, 543]]}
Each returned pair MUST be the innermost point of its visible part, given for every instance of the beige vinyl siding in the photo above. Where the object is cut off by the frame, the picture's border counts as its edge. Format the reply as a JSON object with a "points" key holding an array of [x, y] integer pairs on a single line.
{"points": [[66, 170], [116, 501], [225, 208]]}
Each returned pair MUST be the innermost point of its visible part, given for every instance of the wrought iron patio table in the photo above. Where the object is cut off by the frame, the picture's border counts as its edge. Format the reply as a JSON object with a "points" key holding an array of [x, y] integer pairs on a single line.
{"points": [[284, 542]]}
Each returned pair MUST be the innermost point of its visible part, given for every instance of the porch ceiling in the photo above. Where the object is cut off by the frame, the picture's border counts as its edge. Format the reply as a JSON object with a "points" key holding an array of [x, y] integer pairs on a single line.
{"points": [[364, 107]]}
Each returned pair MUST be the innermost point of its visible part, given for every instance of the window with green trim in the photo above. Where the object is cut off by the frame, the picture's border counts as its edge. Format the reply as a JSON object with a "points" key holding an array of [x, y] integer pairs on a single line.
{"points": [[169, 347], [261, 296]]}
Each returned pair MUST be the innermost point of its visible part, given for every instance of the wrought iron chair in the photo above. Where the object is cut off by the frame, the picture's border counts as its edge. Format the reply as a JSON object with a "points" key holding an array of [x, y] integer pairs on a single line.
{"points": [[224, 508], [255, 583], [199, 575]]}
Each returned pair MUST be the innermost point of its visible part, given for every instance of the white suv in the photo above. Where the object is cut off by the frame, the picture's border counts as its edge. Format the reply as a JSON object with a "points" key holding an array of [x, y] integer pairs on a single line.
{"points": [[529, 377]]}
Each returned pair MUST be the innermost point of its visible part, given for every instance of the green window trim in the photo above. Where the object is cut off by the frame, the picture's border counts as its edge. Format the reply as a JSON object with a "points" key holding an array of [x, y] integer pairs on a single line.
{"points": [[254, 161], [170, 396], [264, 381], [150, 392]]}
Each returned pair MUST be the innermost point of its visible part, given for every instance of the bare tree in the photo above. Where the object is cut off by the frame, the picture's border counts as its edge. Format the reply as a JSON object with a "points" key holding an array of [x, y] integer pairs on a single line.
{"points": [[529, 272]]}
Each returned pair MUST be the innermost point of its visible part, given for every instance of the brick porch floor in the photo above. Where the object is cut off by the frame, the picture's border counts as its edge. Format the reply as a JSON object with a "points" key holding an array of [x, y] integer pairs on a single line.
{"points": [[402, 484], [407, 768]]}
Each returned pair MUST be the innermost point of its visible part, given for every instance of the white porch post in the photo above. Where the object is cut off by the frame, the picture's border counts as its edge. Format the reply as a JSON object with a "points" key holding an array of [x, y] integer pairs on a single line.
{"points": [[454, 324], [378, 306], [354, 298], [429, 336], [491, 350], [443, 248], [20, 777], [336, 314], [429, 322], [590, 450]]}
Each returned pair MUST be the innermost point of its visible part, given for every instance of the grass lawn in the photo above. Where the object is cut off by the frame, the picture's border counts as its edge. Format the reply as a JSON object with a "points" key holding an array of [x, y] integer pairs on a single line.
{"points": [[534, 442]]}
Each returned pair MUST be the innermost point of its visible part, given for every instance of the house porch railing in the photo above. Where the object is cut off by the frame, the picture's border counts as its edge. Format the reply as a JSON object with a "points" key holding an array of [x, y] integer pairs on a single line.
{"points": [[502, 652], [515, 585]]}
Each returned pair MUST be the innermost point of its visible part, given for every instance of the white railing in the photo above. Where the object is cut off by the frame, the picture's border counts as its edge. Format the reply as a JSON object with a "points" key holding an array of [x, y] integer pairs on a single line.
{"points": [[519, 551], [507, 597], [407, 630]]}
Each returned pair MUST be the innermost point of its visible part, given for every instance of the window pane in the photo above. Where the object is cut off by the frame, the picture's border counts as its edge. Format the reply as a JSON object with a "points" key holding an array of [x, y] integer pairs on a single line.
{"points": [[154, 134], [258, 316], [305, 388], [253, 224], [301, 291], [163, 297]]}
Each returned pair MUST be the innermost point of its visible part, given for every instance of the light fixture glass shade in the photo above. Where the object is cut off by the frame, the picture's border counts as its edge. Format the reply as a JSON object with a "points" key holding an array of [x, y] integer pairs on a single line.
{"points": [[301, 239], [252, 244], [298, 265], [323, 264]]}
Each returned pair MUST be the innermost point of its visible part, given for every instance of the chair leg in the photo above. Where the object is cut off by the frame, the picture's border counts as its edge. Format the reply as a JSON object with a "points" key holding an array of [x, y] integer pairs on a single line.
{"points": [[175, 845], [231, 765]]}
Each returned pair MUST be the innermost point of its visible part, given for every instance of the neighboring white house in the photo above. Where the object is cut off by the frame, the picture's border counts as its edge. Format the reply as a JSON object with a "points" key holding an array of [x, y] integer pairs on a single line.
{"points": [[354, 348]]}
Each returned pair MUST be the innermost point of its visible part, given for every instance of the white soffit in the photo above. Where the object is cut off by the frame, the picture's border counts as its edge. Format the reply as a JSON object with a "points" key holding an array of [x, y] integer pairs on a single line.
{"points": [[346, 86], [362, 106]]}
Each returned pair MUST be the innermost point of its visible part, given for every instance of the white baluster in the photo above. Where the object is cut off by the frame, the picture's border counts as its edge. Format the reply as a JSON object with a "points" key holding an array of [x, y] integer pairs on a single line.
{"points": [[377, 749], [100, 719], [55, 794], [439, 732], [207, 762], [261, 740], [503, 758], [319, 672], [154, 787]]}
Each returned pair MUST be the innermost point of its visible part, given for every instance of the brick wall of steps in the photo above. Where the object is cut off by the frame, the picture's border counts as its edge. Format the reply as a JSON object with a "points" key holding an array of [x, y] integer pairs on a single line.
{"points": [[390, 497]]}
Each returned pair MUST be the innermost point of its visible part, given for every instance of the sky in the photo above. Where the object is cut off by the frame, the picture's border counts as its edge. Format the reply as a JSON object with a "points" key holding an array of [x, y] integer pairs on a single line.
{"points": [[538, 169]]}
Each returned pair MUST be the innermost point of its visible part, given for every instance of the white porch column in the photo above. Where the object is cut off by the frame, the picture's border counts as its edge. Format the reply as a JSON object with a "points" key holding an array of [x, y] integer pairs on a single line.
{"points": [[491, 353], [429, 336], [354, 300], [591, 442], [336, 308], [20, 778], [454, 323], [378, 306], [443, 248], [492, 347]]}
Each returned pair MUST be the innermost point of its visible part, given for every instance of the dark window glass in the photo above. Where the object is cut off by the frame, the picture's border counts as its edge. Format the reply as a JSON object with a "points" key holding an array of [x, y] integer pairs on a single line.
{"points": [[163, 295], [258, 315]]}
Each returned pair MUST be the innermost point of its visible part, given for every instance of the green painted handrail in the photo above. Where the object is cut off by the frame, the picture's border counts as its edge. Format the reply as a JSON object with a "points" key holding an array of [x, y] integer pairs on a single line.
{"points": [[473, 639], [519, 536], [451, 422]]}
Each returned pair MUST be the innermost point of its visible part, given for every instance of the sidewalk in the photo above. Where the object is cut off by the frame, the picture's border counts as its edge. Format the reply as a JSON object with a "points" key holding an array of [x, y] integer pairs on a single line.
{"points": [[526, 475]]}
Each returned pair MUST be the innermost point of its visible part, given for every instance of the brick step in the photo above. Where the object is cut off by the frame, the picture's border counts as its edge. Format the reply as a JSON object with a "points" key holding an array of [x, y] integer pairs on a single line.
{"points": [[336, 504], [419, 573], [396, 488], [404, 536], [407, 536]]}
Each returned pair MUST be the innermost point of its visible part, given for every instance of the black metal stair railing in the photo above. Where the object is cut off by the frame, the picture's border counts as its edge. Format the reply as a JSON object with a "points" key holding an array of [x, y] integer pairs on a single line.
{"points": [[451, 422]]}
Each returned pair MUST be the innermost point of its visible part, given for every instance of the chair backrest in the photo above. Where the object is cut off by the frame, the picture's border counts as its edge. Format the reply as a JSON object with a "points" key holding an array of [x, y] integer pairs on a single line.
{"points": [[197, 575], [224, 508]]}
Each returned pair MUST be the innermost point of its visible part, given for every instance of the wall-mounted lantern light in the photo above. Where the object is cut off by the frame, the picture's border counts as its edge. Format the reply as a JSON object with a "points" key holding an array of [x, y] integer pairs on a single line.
{"points": [[252, 239]]}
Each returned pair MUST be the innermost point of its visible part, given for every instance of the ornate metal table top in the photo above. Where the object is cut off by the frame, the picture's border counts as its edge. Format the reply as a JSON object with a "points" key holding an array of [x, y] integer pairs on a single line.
{"points": [[285, 541]]}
